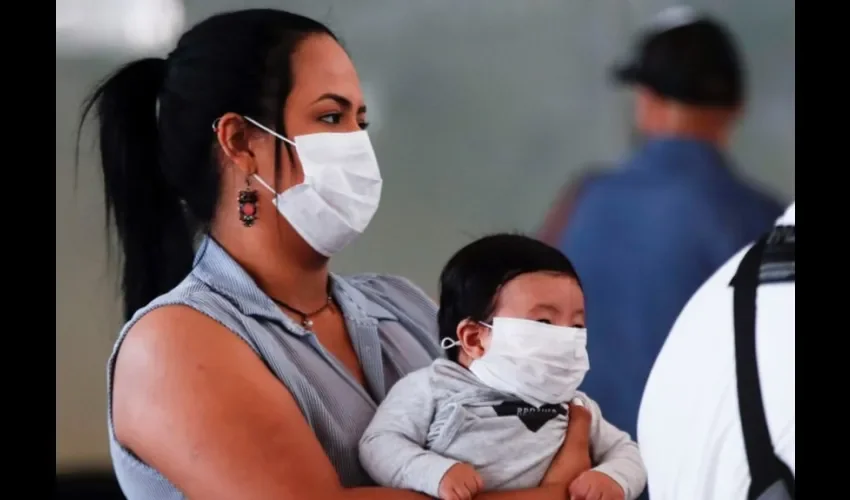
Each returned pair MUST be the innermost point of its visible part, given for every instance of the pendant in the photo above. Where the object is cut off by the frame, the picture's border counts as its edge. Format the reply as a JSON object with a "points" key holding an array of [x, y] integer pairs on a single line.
{"points": [[307, 323]]}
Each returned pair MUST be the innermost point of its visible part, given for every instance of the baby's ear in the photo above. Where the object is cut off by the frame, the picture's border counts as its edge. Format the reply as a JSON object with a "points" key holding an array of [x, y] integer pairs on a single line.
{"points": [[470, 334]]}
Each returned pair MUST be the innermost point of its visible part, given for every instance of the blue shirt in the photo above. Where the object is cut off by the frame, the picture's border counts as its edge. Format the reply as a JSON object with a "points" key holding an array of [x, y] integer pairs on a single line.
{"points": [[643, 238], [392, 325]]}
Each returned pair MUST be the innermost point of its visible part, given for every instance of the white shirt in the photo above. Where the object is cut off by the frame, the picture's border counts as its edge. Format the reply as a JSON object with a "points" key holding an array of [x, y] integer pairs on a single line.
{"points": [[689, 429]]}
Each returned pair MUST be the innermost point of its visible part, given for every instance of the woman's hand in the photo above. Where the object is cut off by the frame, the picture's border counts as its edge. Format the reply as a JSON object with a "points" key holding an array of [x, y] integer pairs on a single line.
{"points": [[574, 456]]}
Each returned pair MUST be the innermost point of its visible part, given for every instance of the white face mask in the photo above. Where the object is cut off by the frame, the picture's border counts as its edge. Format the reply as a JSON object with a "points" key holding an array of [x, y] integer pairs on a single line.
{"points": [[536, 362], [340, 192]]}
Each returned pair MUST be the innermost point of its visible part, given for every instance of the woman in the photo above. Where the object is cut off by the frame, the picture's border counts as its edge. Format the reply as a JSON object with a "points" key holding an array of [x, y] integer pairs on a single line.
{"points": [[249, 372]]}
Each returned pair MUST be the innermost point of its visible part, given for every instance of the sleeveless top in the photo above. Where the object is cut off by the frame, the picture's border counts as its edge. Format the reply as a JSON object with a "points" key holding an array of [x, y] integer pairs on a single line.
{"points": [[392, 325]]}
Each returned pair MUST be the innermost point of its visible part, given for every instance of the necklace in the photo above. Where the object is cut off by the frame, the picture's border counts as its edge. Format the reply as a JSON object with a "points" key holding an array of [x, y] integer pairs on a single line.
{"points": [[306, 322]]}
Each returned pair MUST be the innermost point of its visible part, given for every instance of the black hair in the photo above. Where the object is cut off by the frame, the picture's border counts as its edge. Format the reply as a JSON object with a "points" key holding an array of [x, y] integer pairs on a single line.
{"points": [[161, 176], [471, 280]]}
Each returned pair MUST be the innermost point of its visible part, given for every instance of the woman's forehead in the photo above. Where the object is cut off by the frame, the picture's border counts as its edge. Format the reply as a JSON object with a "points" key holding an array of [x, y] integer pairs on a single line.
{"points": [[320, 66]]}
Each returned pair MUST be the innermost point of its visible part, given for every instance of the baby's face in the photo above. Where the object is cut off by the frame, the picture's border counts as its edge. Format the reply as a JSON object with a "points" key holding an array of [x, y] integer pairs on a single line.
{"points": [[545, 297]]}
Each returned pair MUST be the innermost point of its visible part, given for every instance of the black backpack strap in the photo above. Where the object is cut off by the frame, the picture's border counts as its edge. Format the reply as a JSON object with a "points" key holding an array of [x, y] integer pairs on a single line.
{"points": [[769, 260]]}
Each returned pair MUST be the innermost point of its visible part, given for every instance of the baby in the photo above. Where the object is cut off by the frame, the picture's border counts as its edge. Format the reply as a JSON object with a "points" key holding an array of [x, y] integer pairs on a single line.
{"points": [[494, 415]]}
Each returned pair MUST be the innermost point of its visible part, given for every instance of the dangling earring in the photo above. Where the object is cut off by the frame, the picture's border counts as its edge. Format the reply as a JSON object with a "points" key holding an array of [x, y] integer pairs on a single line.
{"points": [[248, 204]]}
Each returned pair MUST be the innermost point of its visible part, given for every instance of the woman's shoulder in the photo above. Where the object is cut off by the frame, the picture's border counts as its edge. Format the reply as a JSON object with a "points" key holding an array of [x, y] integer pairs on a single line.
{"points": [[190, 299]]}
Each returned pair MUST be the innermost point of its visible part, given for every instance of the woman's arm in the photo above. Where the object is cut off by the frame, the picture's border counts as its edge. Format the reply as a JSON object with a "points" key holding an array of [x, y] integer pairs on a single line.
{"points": [[573, 457], [195, 402], [192, 400], [615, 454]]}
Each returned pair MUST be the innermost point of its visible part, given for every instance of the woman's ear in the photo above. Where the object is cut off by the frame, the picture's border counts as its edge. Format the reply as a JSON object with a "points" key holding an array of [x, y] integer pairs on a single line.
{"points": [[233, 136], [471, 336]]}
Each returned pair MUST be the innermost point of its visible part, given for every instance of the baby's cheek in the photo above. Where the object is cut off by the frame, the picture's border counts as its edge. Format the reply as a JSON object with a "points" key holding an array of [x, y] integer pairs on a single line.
{"points": [[485, 342]]}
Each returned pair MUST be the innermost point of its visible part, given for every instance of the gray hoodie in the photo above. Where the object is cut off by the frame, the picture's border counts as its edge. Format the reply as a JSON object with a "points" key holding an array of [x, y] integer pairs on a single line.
{"points": [[442, 414]]}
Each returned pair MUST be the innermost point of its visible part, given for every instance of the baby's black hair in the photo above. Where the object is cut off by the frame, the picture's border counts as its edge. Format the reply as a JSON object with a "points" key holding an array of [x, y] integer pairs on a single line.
{"points": [[471, 280]]}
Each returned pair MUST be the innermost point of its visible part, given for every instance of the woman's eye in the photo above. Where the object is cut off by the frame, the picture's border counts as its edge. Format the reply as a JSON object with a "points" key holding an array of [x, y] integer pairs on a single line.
{"points": [[364, 125], [332, 118], [544, 321], [578, 325]]}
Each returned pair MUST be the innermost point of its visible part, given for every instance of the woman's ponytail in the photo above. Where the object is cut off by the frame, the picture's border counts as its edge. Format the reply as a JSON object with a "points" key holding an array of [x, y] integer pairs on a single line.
{"points": [[147, 211]]}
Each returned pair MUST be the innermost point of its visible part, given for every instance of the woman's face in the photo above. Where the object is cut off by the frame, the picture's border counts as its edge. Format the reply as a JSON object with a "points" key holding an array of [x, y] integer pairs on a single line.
{"points": [[325, 97]]}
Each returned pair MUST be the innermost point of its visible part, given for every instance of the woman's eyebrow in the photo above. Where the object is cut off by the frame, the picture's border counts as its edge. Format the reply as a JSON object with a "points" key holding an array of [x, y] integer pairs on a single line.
{"points": [[342, 101]]}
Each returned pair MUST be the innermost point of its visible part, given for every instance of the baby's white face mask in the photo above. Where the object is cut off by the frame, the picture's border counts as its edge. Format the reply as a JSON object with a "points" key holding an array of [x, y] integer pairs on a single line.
{"points": [[341, 189], [536, 362]]}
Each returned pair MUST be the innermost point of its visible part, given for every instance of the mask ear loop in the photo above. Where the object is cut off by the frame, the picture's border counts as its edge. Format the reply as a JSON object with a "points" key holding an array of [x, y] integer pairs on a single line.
{"points": [[264, 183], [447, 343], [266, 129], [270, 131], [258, 125]]}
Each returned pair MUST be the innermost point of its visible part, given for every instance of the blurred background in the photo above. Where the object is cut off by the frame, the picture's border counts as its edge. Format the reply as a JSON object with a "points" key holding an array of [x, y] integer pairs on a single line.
{"points": [[481, 110]]}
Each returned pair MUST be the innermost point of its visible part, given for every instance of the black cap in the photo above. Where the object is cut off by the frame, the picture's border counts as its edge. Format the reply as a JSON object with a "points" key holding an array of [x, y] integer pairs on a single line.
{"points": [[687, 57]]}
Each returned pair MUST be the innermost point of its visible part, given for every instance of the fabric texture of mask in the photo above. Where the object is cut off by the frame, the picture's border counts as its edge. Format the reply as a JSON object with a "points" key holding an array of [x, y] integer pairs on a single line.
{"points": [[536, 362], [341, 189]]}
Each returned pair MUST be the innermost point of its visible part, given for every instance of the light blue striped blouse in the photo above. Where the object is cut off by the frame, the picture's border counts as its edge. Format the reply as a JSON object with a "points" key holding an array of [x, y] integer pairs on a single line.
{"points": [[392, 325]]}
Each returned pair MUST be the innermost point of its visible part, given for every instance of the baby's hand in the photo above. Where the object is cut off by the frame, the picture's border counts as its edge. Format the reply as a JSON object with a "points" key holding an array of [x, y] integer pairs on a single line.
{"points": [[460, 482]]}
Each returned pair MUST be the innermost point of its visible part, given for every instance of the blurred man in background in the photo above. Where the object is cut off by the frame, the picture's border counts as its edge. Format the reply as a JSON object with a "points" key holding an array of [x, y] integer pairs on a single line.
{"points": [[644, 237]]}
